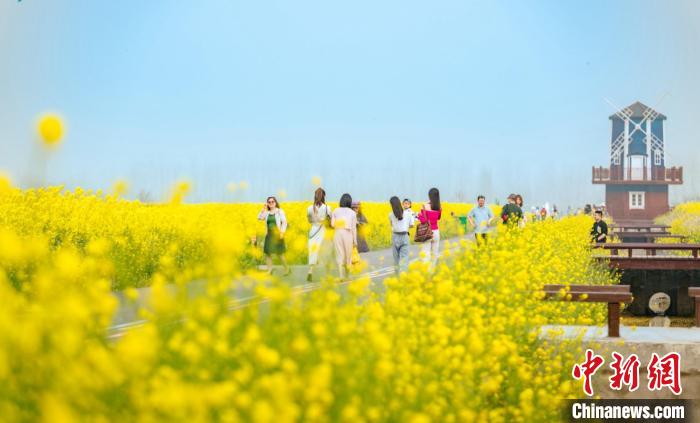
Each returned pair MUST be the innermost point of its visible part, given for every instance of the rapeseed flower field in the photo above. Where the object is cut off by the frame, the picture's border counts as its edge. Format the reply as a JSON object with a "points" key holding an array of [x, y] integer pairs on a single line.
{"points": [[456, 344], [684, 219], [142, 239]]}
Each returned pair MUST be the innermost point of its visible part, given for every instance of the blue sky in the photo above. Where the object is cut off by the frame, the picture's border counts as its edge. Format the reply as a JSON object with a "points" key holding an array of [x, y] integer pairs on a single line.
{"points": [[376, 98]]}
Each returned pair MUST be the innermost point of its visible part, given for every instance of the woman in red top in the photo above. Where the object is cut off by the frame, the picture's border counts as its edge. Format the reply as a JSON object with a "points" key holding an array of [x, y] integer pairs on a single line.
{"points": [[431, 212]]}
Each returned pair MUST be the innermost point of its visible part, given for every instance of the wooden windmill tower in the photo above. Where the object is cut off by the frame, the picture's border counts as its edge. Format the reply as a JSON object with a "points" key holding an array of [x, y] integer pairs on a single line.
{"points": [[637, 180]]}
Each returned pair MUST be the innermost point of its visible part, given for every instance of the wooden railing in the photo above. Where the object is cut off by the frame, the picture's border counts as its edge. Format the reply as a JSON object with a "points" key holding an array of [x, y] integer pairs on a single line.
{"points": [[640, 227], [671, 175], [651, 248], [650, 260]]}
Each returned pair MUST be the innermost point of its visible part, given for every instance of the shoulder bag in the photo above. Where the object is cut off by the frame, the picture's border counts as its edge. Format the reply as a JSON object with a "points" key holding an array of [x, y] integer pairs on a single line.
{"points": [[423, 231]]}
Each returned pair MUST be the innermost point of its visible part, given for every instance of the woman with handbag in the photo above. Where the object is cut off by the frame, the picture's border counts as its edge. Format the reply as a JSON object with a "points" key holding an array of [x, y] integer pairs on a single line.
{"points": [[344, 221], [276, 224], [428, 231], [319, 215]]}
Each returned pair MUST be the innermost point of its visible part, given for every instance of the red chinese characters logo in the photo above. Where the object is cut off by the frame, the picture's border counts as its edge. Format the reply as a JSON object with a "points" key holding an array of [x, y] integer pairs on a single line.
{"points": [[587, 369], [665, 371], [662, 372], [625, 372]]}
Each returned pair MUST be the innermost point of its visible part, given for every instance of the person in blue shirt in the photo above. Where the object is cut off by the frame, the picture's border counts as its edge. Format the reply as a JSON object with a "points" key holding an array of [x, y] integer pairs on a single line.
{"points": [[480, 217]]}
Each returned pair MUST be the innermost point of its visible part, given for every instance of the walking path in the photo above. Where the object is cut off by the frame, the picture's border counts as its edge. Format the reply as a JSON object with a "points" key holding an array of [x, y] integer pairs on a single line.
{"points": [[380, 265]]}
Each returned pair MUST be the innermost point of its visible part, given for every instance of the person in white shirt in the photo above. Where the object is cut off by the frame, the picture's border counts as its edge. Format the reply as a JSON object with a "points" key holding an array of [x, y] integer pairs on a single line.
{"points": [[344, 221], [407, 207], [317, 214], [401, 221]]}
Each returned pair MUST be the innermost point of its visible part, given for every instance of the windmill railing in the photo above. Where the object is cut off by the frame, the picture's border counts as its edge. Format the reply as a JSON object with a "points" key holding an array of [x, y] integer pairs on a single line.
{"points": [[617, 174]]}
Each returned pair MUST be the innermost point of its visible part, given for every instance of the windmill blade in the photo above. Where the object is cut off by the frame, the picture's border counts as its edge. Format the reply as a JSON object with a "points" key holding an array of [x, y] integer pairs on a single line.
{"points": [[663, 97], [617, 144], [652, 112], [656, 143], [619, 112]]}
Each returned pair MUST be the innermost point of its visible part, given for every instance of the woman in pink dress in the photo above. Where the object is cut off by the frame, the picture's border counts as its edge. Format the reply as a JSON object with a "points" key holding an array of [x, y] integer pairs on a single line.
{"points": [[431, 213]]}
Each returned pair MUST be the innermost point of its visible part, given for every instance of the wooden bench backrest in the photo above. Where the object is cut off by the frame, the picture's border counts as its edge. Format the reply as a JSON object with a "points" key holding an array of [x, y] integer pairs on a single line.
{"points": [[589, 288], [650, 246], [647, 235], [592, 297], [592, 293]]}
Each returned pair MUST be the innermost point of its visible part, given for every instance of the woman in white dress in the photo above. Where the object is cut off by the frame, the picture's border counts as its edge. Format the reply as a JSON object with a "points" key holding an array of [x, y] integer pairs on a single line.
{"points": [[318, 214]]}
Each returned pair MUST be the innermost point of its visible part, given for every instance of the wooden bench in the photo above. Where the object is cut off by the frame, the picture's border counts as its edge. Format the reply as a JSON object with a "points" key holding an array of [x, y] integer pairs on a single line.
{"points": [[650, 261], [639, 227], [640, 233], [647, 236], [648, 273], [650, 248], [613, 295], [694, 292]]}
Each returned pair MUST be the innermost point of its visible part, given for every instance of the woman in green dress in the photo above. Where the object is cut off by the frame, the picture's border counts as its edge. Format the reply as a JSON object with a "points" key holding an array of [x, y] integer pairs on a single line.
{"points": [[276, 224]]}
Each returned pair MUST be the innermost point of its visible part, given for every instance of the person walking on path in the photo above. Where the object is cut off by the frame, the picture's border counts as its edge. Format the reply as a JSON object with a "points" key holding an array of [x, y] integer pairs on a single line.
{"points": [[362, 224], [344, 221], [401, 221], [318, 215], [599, 232], [406, 203], [511, 213], [276, 224], [431, 213], [480, 217]]}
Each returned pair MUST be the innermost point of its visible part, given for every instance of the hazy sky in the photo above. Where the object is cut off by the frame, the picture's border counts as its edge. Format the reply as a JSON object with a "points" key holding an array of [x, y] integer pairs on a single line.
{"points": [[375, 97]]}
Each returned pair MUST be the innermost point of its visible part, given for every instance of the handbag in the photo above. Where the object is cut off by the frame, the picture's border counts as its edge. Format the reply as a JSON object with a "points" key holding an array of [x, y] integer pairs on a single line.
{"points": [[355, 257], [328, 219], [423, 231]]}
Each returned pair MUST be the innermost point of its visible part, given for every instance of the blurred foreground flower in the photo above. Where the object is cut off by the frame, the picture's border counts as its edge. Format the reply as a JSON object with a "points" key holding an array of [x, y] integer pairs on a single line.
{"points": [[51, 130], [120, 188], [5, 183], [179, 191]]}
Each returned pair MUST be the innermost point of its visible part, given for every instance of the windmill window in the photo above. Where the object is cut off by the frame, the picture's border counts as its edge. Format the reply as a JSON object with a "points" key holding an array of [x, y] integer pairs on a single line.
{"points": [[657, 158], [637, 200]]}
